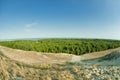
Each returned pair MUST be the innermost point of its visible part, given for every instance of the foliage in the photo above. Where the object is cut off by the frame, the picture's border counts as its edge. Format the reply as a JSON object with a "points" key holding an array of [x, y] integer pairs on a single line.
{"points": [[71, 46]]}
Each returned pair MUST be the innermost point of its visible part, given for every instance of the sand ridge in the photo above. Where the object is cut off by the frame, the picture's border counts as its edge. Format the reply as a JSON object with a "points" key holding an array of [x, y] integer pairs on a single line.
{"points": [[40, 57]]}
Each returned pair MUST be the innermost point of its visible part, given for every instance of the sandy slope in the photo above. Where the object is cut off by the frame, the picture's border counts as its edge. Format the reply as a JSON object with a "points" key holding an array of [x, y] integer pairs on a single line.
{"points": [[112, 59], [98, 54], [39, 57], [14, 65], [36, 57]]}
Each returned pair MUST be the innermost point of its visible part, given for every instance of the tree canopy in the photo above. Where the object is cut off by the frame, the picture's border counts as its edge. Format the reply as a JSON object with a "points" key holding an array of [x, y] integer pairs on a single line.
{"points": [[71, 46]]}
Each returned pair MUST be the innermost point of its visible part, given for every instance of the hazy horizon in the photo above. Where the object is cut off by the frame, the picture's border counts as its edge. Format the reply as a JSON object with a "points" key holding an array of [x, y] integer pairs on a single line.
{"points": [[97, 19]]}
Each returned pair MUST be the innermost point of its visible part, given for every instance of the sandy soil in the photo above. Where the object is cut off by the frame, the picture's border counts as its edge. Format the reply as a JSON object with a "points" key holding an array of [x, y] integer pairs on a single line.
{"points": [[34, 57], [16, 65], [98, 54], [39, 57]]}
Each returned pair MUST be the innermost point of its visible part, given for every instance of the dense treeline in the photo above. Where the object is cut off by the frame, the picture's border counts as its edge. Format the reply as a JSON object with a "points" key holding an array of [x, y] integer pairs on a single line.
{"points": [[72, 46]]}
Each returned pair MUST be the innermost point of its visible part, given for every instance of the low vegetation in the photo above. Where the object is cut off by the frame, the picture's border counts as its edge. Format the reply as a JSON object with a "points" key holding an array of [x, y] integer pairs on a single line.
{"points": [[11, 69], [14, 70], [112, 56], [71, 46]]}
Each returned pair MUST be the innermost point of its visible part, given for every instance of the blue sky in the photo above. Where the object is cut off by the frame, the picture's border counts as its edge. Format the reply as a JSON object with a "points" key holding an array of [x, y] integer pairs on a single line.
{"points": [[60, 18]]}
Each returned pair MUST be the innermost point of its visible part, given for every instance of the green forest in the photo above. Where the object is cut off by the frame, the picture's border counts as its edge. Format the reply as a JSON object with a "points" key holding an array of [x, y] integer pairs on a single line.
{"points": [[71, 46]]}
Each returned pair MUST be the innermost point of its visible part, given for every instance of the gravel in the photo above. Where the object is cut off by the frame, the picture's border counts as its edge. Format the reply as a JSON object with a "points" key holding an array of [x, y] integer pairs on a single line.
{"points": [[101, 73]]}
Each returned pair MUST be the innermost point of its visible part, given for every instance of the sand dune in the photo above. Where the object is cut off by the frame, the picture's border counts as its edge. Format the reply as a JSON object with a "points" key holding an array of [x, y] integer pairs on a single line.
{"points": [[39, 57], [36, 57], [29, 65]]}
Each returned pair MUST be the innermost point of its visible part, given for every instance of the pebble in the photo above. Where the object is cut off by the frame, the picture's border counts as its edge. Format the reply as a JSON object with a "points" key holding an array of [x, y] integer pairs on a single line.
{"points": [[103, 73]]}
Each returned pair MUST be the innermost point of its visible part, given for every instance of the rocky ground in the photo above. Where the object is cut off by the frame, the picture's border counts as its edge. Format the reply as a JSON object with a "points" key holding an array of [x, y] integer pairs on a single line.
{"points": [[101, 73]]}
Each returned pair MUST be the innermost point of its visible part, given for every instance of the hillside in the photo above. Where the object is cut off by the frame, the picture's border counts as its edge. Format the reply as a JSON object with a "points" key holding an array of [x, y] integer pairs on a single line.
{"points": [[32, 57], [112, 59], [30, 65]]}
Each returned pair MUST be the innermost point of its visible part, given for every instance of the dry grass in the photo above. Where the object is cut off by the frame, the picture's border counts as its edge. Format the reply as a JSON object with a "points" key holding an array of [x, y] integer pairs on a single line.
{"points": [[15, 69]]}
